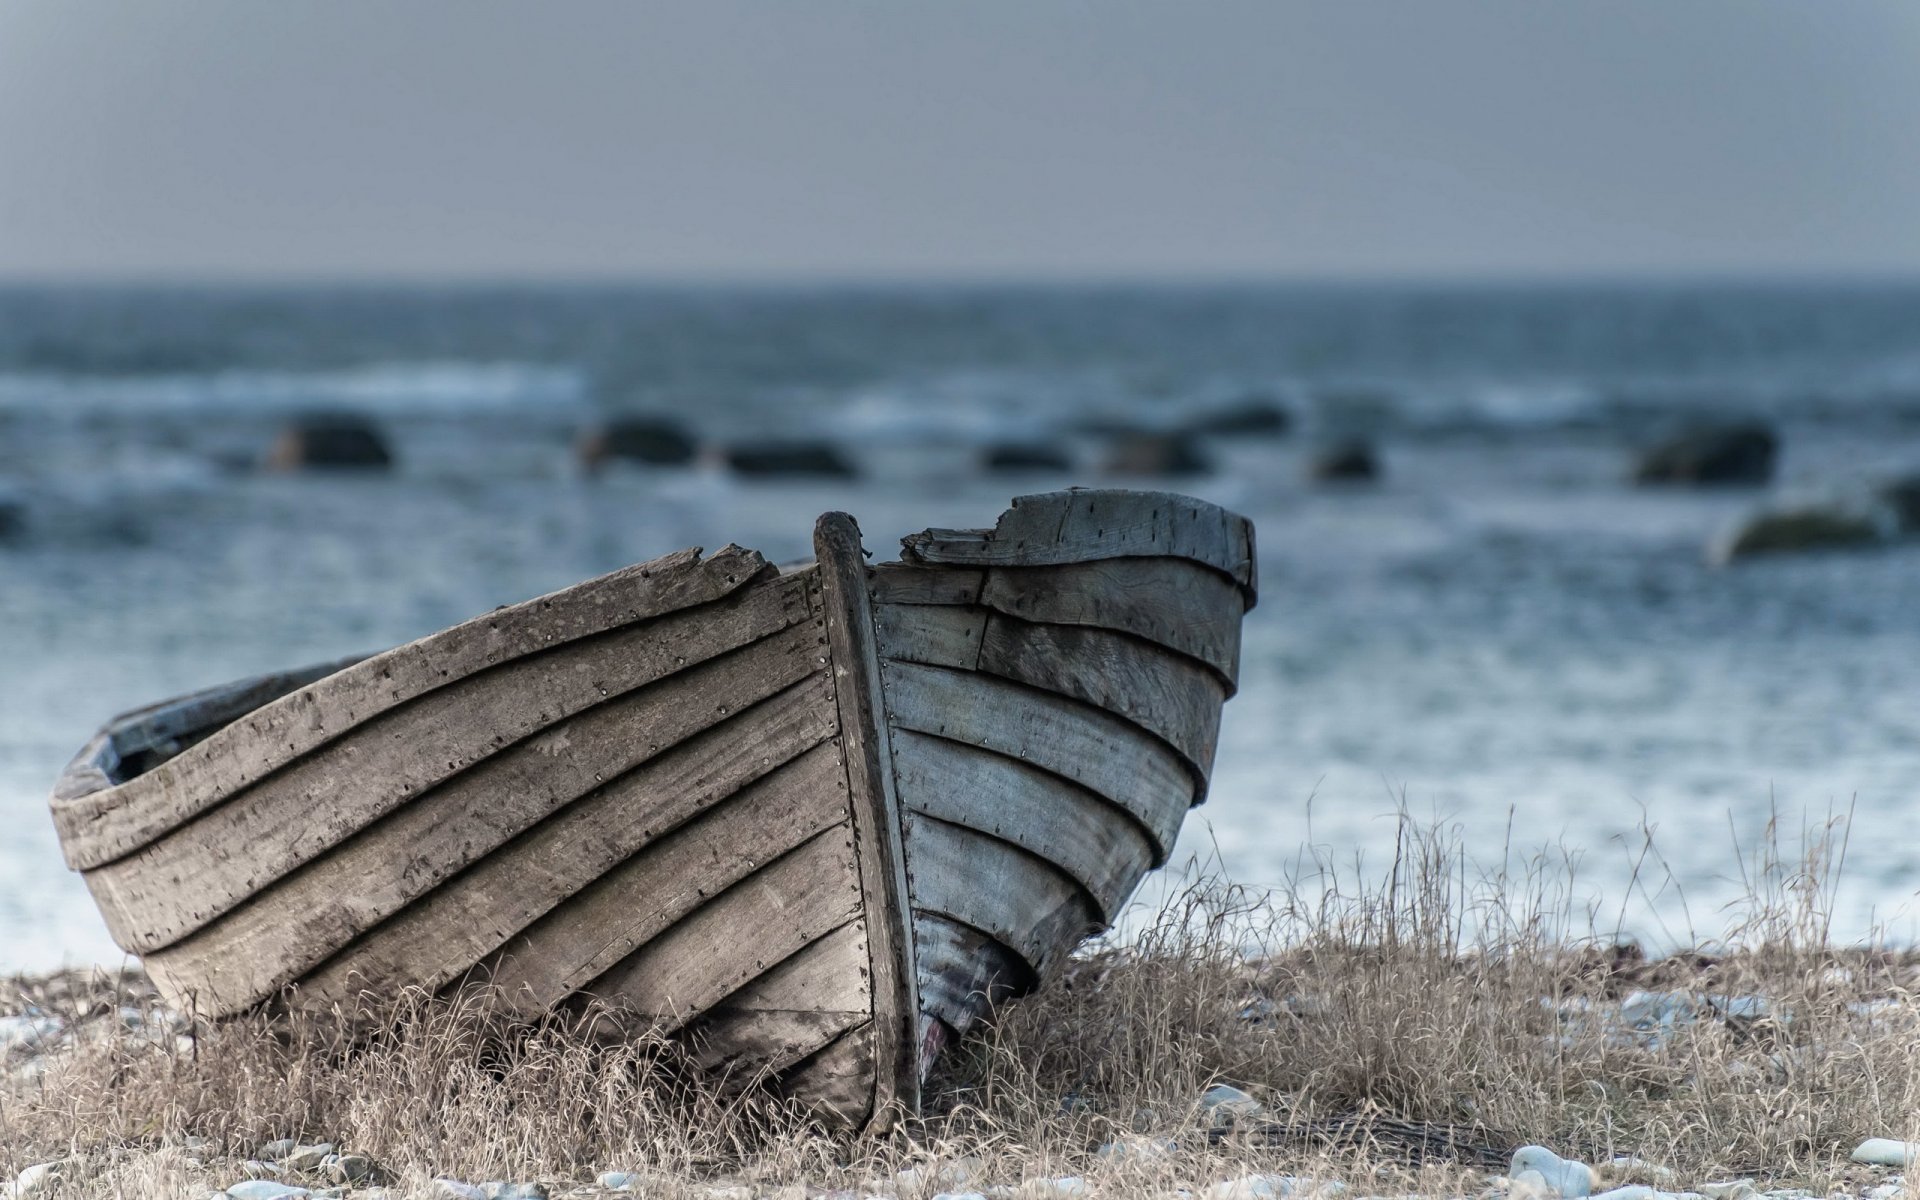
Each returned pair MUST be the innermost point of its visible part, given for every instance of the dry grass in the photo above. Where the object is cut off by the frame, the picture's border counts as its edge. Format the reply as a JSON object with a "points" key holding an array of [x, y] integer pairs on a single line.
{"points": [[1400, 1031]]}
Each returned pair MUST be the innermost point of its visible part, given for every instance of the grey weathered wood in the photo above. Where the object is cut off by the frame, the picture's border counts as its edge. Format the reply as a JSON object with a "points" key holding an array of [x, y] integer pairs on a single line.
{"points": [[963, 972], [1103, 753], [839, 1079], [136, 741], [790, 1012], [1081, 526], [867, 752], [900, 583], [343, 894], [1100, 846], [1170, 601], [1166, 694], [816, 824], [1025, 902], [101, 826], [582, 936], [597, 865], [738, 935], [204, 868]]}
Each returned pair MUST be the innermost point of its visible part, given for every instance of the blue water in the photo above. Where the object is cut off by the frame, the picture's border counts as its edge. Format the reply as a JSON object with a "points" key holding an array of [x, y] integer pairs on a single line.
{"points": [[1502, 634]]}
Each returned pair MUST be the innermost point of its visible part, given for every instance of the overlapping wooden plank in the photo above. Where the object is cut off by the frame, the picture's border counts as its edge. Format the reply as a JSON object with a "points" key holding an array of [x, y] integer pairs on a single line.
{"points": [[101, 826], [1099, 845], [215, 861], [929, 633], [135, 742], [1166, 694], [964, 972], [1106, 754], [837, 1082], [587, 932], [1085, 525], [739, 934], [446, 933], [311, 914], [867, 756], [790, 1012], [1023, 901], [904, 583], [1170, 601]]}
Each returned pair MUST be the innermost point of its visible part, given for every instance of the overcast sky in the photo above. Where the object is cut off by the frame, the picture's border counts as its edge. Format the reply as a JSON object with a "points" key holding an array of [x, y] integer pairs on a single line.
{"points": [[1034, 139]]}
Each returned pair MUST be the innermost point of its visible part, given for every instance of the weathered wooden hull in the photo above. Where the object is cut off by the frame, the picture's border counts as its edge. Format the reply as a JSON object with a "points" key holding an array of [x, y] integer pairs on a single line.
{"points": [[816, 822]]}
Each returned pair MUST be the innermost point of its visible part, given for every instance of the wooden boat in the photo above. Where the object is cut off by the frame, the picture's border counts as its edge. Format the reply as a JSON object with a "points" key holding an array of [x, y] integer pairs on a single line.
{"points": [[816, 821]]}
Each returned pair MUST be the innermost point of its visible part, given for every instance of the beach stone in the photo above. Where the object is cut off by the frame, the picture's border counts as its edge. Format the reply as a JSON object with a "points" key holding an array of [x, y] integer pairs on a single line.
{"points": [[1633, 1191], [1258, 1187], [1351, 459], [1249, 418], [616, 1181], [329, 441], [35, 1179], [307, 1158], [265, 1189], [1144, 452], [1561, 1176], [351, 1168], [655, 441], [1886, 1152], [1226, 1104], [789, 458], [275, 1150], [1814, 526], [501, 1190], [1025, 456], [1723, 454]]}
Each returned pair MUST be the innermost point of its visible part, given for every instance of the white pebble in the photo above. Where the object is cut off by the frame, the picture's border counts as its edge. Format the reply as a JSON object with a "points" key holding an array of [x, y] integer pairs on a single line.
{"points": [[1885, 1152], [265, 1189], [1256, 1187], [1560, 1177], [35, 1179], [1228, 1104]]}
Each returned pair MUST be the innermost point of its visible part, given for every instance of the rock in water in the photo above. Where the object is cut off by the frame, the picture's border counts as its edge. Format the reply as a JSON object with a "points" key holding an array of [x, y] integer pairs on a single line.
{"points": [[329, 441], [655, 441], [1025, 456], [1146, 453], [1727, 454], [1902, 498], [1562, 1176], [1801, 528], [1249, 418], [1350, 459], [789, 458]]}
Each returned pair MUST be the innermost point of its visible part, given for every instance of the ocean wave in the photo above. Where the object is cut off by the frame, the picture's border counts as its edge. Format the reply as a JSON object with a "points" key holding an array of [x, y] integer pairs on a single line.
{"points": [[428, 388]]}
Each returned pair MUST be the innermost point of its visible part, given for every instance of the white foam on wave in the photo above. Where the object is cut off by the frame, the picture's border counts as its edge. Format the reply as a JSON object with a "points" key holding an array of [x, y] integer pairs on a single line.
{"points": [[428, 388]]}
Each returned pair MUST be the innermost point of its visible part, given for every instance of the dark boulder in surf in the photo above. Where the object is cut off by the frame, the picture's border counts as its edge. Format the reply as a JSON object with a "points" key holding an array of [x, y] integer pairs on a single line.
{"points": [[773, 458], [1902, 499], [655, 441], [1715, 455], [1798, 528], [1145, 452], [1014, 457], [1347, 459], [329, 442], [1248, 418]]}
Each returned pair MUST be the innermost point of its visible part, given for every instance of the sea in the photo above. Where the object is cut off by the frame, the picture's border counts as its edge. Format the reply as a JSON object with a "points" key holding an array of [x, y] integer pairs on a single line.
{"points": [[1501, 639]]}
